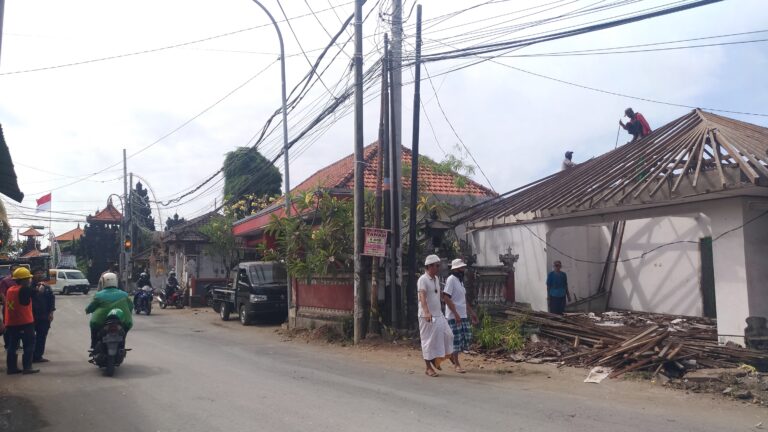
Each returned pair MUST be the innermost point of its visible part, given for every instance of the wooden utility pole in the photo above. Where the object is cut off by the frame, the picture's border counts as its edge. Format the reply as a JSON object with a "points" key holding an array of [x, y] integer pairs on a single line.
{"points": [[359, 172], [412, 222]]}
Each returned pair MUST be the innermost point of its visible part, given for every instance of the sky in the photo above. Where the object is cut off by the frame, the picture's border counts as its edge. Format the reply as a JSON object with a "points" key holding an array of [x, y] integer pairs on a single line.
{"points": [[172, 111]]}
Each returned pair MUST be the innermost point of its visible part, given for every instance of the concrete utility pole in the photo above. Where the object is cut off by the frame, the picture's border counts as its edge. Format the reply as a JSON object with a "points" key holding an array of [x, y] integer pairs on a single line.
{"points": [[397, 139], [359, 172], [123, 228], [2, 13], [129, 227], [287, 181], [412, 266]]}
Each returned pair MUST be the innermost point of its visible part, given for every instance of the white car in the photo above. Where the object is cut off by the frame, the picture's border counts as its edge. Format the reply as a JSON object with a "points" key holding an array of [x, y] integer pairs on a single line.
{"points": [[65, 281]]}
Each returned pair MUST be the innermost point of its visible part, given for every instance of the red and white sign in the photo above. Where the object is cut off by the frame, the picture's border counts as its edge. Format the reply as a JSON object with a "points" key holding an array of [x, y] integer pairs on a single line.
{"points": [[375, 242], [44, 203]]}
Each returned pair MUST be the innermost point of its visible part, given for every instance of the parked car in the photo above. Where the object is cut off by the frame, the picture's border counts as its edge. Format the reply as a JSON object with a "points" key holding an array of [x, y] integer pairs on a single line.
{"points": [[66, 281], [256, 289]]}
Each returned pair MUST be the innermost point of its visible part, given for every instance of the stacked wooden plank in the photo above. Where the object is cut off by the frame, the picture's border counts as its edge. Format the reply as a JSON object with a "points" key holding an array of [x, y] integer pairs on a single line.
{"points": [[625, 348]]}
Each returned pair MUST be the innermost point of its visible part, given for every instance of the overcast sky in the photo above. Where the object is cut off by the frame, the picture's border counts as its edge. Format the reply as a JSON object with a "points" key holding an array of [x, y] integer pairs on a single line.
{"points": [[63, 124]]}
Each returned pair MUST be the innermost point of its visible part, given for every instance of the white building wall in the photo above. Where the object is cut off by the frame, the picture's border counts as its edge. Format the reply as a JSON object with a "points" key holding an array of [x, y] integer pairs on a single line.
{"points": [[731, 293], [531, 268], [756, 253], [575, 247], [667, 280]]}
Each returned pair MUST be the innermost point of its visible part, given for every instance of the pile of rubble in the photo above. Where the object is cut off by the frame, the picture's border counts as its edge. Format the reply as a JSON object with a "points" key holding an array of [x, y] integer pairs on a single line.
{"points": [[627, 341]]}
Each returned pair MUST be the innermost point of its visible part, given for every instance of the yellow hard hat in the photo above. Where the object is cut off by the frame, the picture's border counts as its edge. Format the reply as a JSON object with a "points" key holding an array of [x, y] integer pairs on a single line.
{"points": [[22, 273]]}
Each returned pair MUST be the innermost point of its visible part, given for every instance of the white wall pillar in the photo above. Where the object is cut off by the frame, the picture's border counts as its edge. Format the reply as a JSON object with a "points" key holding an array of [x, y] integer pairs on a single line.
{"points": [[731, 291], [756, 253]]}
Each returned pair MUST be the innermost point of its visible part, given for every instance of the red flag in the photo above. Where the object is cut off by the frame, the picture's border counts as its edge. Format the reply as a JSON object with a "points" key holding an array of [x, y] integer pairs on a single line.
{"points": [[44, 203]]}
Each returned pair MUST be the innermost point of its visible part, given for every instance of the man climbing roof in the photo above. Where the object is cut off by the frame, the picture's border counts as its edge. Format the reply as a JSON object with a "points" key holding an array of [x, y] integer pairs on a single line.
{"points": [[637, 126]]}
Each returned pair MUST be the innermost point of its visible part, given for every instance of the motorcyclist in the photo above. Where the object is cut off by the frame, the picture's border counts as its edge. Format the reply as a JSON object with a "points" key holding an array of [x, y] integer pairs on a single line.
{"points": [[141, 283], [110, 297], [171, 284]]}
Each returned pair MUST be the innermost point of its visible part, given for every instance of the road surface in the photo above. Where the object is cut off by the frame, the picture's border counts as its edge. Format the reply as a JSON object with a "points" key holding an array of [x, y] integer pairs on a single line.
{"points": [[189, 372]]}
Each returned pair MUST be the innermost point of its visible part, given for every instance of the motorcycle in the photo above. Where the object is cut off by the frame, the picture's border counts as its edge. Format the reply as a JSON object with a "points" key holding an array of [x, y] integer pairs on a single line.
{"points": [[110, 350], [175, 299], [143, 300]]}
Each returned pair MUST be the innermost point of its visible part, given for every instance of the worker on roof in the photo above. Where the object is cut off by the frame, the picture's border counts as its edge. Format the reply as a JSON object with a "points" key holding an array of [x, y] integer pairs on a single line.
{"points": [[567, 162], [637, 126]]}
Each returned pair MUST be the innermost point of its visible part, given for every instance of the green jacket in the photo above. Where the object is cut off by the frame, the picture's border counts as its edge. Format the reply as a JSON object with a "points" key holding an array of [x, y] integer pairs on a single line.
{"points": [[106, 300]]}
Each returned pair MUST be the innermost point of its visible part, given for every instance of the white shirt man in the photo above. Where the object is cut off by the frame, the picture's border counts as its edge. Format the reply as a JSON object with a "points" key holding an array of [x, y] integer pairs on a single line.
{"points": [[457, 311], [436, 335]]}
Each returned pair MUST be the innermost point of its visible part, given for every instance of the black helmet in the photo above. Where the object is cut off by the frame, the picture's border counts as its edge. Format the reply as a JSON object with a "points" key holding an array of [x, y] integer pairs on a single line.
{"points": [[568, 153]]}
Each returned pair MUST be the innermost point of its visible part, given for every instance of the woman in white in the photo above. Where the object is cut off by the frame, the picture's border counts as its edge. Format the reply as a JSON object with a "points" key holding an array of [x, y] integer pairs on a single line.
{"points": [[436, 335]]}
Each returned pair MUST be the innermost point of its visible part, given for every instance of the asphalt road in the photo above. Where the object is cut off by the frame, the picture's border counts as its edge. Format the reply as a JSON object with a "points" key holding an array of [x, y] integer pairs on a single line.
{"points": [[192, 373]]}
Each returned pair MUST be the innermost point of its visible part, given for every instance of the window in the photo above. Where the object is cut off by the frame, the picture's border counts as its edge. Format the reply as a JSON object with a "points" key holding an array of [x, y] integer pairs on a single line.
{"points": [[242, 277], [75, 275], [61, 275], [268, 273]]}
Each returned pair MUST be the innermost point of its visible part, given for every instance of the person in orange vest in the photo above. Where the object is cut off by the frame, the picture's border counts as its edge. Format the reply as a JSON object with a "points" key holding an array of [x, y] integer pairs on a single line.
{"points": [[20, 323]]}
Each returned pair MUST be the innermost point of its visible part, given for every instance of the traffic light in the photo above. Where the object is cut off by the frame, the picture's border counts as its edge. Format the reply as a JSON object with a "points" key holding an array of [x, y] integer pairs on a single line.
{"points": [[127, 243]]}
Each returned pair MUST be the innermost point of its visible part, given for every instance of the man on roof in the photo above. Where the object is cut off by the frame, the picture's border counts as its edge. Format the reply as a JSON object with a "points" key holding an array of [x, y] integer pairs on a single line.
{"points": [[637, 126]]}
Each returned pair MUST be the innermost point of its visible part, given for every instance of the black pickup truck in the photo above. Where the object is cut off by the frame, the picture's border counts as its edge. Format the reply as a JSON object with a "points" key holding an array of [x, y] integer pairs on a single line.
{"points": [[256, 289]]}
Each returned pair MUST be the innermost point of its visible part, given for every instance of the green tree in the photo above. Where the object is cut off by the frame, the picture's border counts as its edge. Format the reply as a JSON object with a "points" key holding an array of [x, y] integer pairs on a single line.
{"points": [[317, 238], [247, 172], [222, 242], [173, 222]]}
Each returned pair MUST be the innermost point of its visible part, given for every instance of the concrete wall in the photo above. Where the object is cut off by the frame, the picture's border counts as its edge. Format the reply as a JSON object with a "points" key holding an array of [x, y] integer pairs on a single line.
{"points": [[531, 268], [756, 253], [667, 280], [730, 269], [575, 245]]}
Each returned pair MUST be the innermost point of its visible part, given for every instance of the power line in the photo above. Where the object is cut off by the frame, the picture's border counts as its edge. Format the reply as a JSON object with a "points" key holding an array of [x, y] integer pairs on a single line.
{"points": [[626, 95], [445, 116], [153, 50], [195, 117]]}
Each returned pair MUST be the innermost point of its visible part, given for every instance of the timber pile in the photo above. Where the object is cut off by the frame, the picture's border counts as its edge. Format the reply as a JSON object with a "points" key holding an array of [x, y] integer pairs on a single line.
{"points": [[656, 346]]}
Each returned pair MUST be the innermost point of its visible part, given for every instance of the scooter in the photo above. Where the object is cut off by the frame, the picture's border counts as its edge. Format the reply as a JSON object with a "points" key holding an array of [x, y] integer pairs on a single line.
{"points": [[110, 350], [142, 302], [176, 299]]}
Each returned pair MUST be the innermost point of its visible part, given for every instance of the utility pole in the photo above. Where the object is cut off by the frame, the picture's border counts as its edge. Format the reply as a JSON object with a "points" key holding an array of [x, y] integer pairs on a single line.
{"points": [[129, 221], [412, 223], [123, 228], [395, 175], [373, 321], [396, 79], [2, 14], [387, 182], [359, 167]]}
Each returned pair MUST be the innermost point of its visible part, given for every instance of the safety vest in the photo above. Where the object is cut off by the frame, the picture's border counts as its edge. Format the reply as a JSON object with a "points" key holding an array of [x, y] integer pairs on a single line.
{"points": [[17, 314]]}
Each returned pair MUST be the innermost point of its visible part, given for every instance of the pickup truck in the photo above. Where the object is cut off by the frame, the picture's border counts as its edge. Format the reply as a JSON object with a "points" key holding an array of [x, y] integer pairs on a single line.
{"points": [[256, 289]]}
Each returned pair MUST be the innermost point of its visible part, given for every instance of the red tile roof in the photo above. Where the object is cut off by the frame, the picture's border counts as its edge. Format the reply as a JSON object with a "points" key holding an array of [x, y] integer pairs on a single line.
{"points": [[110, 215], [72, 235], [31, 233], [31, 254], [341, 175]]}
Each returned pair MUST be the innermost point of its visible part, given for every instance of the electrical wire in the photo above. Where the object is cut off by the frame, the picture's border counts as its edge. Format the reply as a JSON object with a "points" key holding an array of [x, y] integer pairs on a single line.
{"points": [[163, 48]]}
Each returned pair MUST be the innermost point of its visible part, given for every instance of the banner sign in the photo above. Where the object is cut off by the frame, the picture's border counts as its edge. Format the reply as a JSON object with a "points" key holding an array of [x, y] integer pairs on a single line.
{"points": [[375, 242]]}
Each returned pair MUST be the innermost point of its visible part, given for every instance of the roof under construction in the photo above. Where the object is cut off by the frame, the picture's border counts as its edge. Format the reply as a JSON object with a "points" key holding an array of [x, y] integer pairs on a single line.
{"points": [[696, 157]]}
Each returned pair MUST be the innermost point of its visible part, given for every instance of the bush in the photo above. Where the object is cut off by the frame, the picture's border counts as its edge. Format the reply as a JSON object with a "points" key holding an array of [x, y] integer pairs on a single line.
{"points": [[506, 335]]}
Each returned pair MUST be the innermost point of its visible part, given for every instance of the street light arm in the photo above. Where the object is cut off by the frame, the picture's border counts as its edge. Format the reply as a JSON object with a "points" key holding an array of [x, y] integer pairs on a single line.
{"points": [[287, 183]]}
